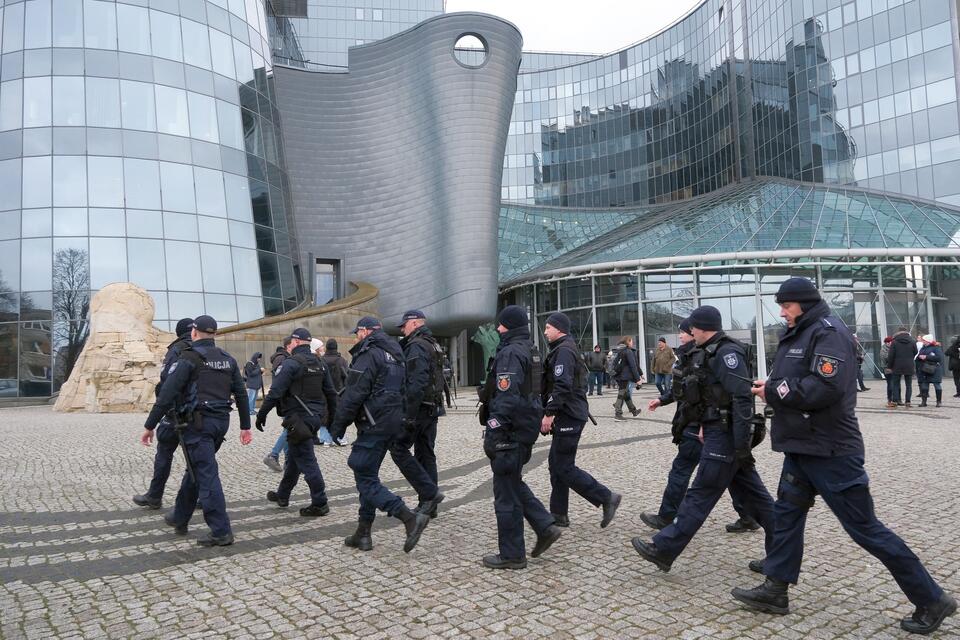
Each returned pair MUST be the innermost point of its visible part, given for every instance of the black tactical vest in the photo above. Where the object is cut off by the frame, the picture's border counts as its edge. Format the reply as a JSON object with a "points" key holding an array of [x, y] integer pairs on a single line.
{"points": [[434, 392], [308, 385], [212, 381]]}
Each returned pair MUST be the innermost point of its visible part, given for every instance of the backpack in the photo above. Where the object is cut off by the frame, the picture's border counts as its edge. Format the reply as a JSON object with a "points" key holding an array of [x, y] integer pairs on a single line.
{"points": [[435, 391]]}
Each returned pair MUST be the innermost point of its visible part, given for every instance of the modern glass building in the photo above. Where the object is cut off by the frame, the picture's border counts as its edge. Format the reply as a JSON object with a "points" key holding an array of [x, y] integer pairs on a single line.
{"points": [[749, 141], [136, 144]]}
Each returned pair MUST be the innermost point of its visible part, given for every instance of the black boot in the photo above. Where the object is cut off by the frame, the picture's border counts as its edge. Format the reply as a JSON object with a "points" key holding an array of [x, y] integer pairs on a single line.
{"points": [[648, 551], [272, 496], [756, 566], [939, 397], [315, 511], [923, 400], [928, 619], [561, 520], [429, 507], [770, 597], [179, 529], [653, 520], [414, 523], [147, 501], [361, 537], [494, 561], [210, 540], [745, 523], [545, 540], [610, 509]]}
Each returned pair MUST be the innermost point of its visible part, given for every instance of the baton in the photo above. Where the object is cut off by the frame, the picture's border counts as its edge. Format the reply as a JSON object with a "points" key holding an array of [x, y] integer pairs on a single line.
{"points": [[305, 407], [366, 410], [592, 419], [179, 428]]}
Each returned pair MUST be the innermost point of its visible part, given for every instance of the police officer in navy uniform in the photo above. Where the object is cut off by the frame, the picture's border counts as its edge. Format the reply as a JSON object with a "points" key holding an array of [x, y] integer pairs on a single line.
{"points": [[686, 435], [725, 413], [565, 408], [303, 391], [167, 440], [424, 404], [511, 413], [198, 386], [373, 400], [812, 389]]}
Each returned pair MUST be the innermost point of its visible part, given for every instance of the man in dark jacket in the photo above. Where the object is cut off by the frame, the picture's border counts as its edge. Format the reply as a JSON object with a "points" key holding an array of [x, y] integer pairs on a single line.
{"points": [[373, 400], [336, 365], [813, 391], [304, 393], [253, 373], [423, 359], [511, 414], [565, 412], [167, 439], [902, 363], [272, 459], [596, 363], [627, 373]]}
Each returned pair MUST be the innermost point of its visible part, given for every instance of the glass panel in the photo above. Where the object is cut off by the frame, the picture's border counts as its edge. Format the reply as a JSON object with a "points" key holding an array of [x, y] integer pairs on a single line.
{"points": [[108, 261], [217, 272], [210, 198], [106, 181], [36, 102], [10, 265], [203, 117], [144, 224], [133, 29], [576, 293], [39, 25], [36, 271], [196, 44], [238, 197], [69, 222], [147, 263], [615, 322], [231, 129], [183, 270], [165, 35], [67, 23], [246, 272], [37, 182], [36, 223], [35, 360], [8, 360], [547, 297], [179, 226], [138, 105], [176, 182], [69, 181], [242, 235], [172, 115], [249, 308], [13, 28], [107, 222], [103, 102], [269, 274], [185, 305], [213, 230], [142, 180], [221, 51], [10, 184], [100, 24], [11, 105], [618, 288], [221, 307]]}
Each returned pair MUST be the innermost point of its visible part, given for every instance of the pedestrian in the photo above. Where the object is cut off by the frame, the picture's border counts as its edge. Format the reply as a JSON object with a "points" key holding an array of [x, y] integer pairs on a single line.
{"points": [[953, 353], [901, 360], [304, 395], [336, 364], [511, 413], [167, 438], [812, 390], [860, 357], [718, 371], [253, 373], [596, 364], [887, 372], [447, 379], [373, 400], [423, 360], [198, 387], [663, 360], [608, 374], [627, 373], [566, 411], [272, 459], [930, 369], [686, 435]]}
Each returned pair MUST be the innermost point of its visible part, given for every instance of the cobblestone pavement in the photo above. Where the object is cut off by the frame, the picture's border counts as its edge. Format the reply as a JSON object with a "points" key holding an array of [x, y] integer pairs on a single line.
{"points": [[78, 559]]}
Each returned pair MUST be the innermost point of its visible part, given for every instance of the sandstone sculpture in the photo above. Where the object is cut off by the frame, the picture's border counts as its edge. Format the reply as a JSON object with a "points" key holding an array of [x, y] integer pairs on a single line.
{"points": [[120, 363]]}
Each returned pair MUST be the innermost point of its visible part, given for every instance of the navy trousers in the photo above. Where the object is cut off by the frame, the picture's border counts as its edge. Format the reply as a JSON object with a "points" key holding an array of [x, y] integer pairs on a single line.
{"points": [[424, 447], [684, 464], [301, 460], [410, 466], [843, 484], [366, 457], [717, 472], [167, 443], [203, 444], [513, 501], [566, 475]]}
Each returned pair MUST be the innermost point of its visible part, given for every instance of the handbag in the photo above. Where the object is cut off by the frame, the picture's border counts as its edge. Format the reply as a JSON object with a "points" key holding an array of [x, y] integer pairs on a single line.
{"points": [[928, 368]]}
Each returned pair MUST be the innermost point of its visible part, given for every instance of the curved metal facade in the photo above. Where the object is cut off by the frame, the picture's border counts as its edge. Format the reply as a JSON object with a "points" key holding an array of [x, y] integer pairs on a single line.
{"points": [[395, 166]]}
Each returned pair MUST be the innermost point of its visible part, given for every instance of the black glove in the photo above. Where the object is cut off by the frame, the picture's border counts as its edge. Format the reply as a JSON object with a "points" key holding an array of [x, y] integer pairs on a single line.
{"points": [[744, 459], [260, 423]]}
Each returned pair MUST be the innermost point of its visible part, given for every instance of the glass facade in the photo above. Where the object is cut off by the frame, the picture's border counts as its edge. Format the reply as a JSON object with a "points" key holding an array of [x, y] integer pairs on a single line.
{"points": [[136, 144], [859, 92]]}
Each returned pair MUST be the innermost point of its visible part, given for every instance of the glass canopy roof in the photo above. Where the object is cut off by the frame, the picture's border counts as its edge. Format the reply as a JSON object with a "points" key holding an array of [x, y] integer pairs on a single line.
{"points": [[765, 215]]}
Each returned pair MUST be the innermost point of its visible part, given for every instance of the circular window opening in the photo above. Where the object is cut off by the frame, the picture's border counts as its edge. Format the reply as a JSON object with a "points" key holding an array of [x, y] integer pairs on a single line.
{"points": [[470, 50]]}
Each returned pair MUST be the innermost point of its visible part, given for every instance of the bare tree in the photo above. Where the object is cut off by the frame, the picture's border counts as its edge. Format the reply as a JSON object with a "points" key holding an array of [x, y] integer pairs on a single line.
{"points": [[71, 306]]}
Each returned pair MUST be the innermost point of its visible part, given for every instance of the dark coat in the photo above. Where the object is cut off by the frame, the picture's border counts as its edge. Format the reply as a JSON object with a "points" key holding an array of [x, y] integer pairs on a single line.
{"points": [[596, 361], [337, 367], [934, 356], [322, 405], [563, 394], [903, 351], [375, 380], [629, 369], [515, 410], [252, 372], [953, 352]]}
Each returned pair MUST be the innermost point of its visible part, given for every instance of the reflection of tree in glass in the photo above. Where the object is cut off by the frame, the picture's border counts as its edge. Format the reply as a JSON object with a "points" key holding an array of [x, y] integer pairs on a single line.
{"points": [[71, 305], [8, 301]]}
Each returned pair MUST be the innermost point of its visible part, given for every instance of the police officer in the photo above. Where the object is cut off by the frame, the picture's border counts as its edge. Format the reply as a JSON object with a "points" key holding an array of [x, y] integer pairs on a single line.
{"points": [[167, 439], [724, 411], [686, 435], [813, 391], [373, 400], [511, 413], [302, 389], [198, 387], [423, 359], [565, 408]]}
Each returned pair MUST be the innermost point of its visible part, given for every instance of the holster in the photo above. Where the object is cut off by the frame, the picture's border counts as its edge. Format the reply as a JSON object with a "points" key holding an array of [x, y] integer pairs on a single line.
{"points": [[297, 430]]}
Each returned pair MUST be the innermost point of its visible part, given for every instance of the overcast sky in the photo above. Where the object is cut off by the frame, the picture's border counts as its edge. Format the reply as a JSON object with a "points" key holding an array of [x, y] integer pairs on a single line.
{"points": [[576, 26]]}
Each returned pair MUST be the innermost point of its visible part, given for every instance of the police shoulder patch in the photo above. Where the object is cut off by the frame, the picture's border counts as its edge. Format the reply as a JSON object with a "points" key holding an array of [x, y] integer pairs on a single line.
{"points": [[503, 381], [173, 367], [827, 367], [279, 369], [558, 370], [731, 360]]}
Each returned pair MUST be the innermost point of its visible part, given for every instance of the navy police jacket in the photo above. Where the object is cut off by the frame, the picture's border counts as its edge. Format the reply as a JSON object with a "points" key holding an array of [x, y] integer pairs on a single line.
{"points": [[728, 378], [420, 358], [563, 395], [202, 380], [813, 388], [515, 407], [375, 380], [317, 393], [173, 354]]}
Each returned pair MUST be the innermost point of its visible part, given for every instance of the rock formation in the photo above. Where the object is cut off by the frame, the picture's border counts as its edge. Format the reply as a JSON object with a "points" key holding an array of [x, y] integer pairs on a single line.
{"points": [[120, 363]]}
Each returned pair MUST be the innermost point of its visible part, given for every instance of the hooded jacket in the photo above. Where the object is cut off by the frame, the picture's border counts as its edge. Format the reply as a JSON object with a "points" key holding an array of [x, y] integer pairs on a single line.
{"points": [[903, 352]]}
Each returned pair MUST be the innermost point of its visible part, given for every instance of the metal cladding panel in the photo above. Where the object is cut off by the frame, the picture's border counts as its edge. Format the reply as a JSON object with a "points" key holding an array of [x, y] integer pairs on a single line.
{"points": [[396, 166]]}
